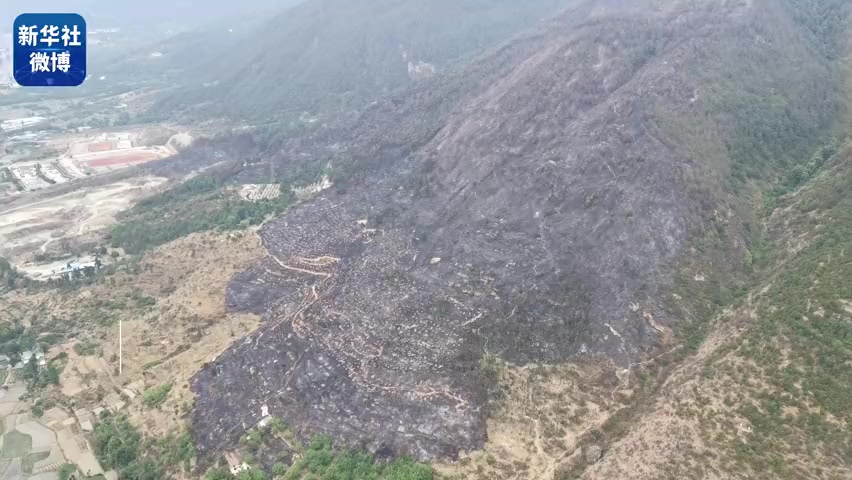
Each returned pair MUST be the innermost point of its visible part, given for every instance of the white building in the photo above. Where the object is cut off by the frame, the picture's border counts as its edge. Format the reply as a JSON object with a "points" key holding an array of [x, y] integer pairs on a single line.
{"points": [[36, 352], [72, 267], [20, 123]]}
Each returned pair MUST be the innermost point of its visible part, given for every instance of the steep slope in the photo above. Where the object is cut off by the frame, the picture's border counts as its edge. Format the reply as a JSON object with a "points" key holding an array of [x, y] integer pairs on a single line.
{"points": [[555, 201], [327, 55], [768, 393]]}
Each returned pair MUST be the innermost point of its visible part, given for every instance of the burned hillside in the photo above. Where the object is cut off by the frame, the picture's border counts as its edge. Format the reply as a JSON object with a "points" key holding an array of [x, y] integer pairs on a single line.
{"points": [[535, 205]]}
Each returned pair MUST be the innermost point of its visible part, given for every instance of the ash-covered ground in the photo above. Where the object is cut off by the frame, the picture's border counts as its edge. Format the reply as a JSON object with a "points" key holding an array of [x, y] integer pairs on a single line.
{"points": [[364, 334], [530, 206]]}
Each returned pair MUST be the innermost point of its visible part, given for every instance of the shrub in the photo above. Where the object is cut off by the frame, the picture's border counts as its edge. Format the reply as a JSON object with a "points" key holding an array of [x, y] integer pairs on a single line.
{"points": [[154, 397]]}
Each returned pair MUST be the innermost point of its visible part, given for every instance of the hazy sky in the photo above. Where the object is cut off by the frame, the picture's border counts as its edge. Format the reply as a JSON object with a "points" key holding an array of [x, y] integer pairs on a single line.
{"points": [[140, 14]]}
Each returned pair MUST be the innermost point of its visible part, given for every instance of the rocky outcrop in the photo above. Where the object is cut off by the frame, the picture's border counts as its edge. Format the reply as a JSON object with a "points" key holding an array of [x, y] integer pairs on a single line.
{"points": [[592, 453]]}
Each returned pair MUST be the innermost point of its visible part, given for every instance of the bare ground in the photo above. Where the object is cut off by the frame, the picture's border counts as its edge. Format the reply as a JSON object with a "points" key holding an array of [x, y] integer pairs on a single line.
{"points": [[186, 326], [44, 224], [539, 420]]}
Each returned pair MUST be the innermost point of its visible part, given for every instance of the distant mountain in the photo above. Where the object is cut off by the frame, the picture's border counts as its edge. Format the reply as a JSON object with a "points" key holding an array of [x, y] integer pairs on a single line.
{"points": [[327, 55]]}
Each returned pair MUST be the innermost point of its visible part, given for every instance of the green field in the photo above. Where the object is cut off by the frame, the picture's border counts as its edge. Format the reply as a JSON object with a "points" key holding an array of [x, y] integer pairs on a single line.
{"points": [[30, 460], [16, 444]]}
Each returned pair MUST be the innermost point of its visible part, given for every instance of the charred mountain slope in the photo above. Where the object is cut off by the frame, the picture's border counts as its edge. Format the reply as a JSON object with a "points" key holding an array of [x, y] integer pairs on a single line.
{"points": [[536, 205]]}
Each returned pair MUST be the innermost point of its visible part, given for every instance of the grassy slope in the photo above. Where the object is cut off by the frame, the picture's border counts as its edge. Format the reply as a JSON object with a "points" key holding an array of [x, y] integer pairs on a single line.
{"points": [[768, 394], [774, 122], [801, 340], [763, 391]]}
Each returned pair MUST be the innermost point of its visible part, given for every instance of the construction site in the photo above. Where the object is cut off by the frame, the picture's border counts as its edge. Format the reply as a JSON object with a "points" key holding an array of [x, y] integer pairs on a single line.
{"points": [[104, 153], [39, 232], [54, 207]]}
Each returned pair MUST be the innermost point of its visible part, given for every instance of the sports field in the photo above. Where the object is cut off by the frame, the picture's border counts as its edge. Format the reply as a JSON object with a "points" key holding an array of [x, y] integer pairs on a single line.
{"points": [[127, 159]]}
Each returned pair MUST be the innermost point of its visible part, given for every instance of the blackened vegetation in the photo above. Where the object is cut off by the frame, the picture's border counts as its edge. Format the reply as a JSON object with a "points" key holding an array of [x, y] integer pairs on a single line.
{"points": [[220, 156], [533, 206], [357, 335]]}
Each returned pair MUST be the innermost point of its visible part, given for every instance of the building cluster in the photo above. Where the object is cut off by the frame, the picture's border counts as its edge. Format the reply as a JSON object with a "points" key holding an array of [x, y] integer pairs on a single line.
{"points": [[77, 269], [20, 123], [110, 141], [257, 192], [26, 357], [28, 176]]}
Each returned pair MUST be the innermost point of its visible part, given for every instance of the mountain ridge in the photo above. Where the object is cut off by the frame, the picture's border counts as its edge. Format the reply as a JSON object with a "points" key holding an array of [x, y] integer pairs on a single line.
{"points": [[332, 56], [538, 210]]}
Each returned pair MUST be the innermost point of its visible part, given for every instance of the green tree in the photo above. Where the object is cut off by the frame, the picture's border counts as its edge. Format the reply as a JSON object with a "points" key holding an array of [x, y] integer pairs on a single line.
{"points": [[30, 371], [320, 455], [117, 442], [52, 374], [154, 397], [67, 470], [219, 473], [353, 466], [279, 469], [408, 469], [252, 474]]}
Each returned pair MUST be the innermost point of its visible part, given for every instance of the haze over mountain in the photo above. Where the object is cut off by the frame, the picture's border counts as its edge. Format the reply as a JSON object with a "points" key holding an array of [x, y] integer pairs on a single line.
{"points": [[331, 55], [158, 15]]}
